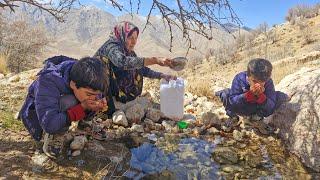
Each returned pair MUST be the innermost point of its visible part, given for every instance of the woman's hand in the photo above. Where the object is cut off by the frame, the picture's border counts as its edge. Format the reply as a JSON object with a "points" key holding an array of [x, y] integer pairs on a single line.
{"points": [[164, 62], [168, 77], [158, 60]]}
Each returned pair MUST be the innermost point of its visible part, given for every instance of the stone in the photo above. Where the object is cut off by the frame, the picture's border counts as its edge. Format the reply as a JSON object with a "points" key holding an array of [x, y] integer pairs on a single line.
{"points": [[188, 98], [237, 135], [231, 168], [2, 76], [14, 79], [298, 120], [153, 114], [201, 100], [207, 106], [137, 128], [209, 118], [135, 113], [120, 118], [225, 155], [167, 125], [76, 153], [78, 142], [213, 131], [107, 123], [253, 160]]}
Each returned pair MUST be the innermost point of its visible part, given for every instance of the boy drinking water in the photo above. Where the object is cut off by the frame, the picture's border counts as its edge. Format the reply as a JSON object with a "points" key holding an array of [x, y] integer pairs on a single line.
{"points": [[66, 90], [252, 93]]}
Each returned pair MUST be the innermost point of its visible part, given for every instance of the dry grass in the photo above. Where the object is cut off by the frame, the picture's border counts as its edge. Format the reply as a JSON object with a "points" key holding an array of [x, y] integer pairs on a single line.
{"points": [[282, 70], [199, 88], [3, 64], [286, 68]]}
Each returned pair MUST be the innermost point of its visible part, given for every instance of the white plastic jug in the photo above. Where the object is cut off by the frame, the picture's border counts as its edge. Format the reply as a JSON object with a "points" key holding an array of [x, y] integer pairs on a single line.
{"points": [[172, 98]]}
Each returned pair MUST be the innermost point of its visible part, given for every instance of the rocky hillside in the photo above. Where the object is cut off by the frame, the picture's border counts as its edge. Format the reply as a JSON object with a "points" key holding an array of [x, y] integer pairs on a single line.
{"points": [[87, 28]]}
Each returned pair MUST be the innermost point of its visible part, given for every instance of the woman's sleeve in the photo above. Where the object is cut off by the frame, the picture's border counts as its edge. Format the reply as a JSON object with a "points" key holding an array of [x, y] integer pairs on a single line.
{"points": [[149, 73], [115, 54]]}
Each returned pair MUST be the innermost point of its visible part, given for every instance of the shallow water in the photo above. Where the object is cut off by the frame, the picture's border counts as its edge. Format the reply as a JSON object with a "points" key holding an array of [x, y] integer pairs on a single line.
{"points": [[191, 159], [172, 157]]}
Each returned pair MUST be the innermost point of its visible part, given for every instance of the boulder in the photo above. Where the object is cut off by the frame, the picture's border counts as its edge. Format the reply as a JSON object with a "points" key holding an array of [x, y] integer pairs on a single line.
{"points": [[299, 119], [135, 113], [119, 118]]}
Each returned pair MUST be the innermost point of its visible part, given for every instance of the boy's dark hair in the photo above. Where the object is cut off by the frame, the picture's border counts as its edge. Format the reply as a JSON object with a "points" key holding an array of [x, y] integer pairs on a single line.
{"points": [[260, 69], [90, 72]]}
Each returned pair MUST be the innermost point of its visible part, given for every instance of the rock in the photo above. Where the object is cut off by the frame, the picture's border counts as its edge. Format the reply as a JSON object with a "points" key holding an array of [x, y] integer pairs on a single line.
{"points": [[213, 131], [107, 123], [1, 76], [207, 106], [253, 160], [76, 153], [135, 113], [201, 100], [78, 143], [188, 98], [298, 120], [221, 113], [119, 118], [14, 79], [189, 118], [137, 128], [167, 125], [153, 114], [237, 135], [231, 168], [209, 118], [225, 155]]}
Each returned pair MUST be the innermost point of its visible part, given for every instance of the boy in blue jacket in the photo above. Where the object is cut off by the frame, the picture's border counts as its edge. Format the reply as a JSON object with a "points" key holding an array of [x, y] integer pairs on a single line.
{"points": [[66, 90], [252, 93]]}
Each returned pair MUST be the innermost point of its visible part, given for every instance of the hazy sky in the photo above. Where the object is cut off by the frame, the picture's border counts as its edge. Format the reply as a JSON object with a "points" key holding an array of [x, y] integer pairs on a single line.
{"points": [[251, 12]]}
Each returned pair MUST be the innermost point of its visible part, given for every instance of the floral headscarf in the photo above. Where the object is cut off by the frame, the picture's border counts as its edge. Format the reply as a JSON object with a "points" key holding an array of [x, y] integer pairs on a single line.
{"points": [[122, 30]]}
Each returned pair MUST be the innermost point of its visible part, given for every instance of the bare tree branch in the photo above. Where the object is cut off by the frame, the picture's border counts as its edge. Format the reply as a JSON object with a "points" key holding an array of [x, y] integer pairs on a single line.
{"points": [[57, 9], [192, 16]]}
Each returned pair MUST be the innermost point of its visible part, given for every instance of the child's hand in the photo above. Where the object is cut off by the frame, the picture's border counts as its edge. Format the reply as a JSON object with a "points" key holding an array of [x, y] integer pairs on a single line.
{"points": [[257, 89], [94, 105]]}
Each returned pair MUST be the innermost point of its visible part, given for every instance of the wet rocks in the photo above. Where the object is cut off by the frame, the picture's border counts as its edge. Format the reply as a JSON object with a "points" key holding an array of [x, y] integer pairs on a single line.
{"points": [[225, 155], [119, 118], [137, 128]]}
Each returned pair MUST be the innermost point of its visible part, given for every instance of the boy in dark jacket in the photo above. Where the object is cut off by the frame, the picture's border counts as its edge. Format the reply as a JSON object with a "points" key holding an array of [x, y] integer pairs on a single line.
{"points": [[66, 90], [252, 93]]}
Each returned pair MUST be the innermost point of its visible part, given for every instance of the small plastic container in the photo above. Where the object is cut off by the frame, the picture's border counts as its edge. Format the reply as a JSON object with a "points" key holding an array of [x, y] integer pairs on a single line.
{"points": [[182, 125]]}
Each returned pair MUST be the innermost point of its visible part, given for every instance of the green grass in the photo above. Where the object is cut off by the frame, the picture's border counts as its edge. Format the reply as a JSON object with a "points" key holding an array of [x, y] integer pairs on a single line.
{"points": [[7, 121]]}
